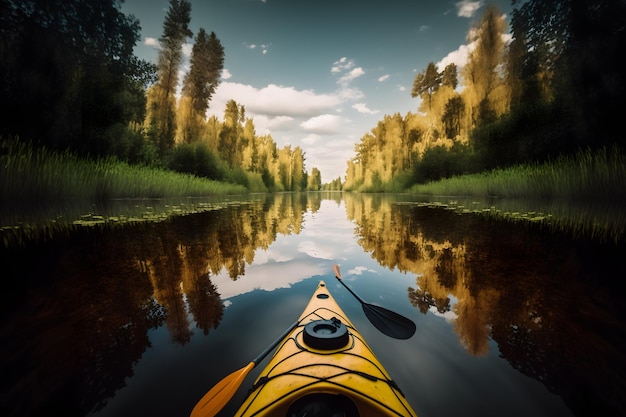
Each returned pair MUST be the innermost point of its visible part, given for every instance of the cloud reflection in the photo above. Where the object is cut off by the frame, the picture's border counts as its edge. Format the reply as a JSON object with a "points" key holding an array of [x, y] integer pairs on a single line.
{"points": [[268, 277], [295, 257]]}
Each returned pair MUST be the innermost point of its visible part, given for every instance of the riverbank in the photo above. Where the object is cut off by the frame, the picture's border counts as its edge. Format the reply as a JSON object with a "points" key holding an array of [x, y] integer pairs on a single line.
{"points": [[580, 195], [38, 174], [45, 193], [587, 176]]}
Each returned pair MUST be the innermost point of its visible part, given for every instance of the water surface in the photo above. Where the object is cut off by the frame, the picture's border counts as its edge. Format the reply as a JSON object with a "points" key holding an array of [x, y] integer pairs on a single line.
{"points": [[512, 318]]}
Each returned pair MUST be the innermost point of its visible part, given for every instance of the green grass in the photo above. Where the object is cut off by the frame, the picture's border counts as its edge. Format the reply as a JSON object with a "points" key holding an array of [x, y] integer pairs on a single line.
{"points": [[598, 175], [37, 174], [582, 195]]}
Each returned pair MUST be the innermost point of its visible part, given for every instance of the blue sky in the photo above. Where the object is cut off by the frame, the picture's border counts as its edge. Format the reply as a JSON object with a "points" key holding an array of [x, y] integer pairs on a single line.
{"points": [[321, 74]]}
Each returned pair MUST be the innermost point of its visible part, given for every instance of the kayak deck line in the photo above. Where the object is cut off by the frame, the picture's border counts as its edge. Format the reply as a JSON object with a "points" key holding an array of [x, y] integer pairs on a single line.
{"points": [[324, 358], [346, 350]]}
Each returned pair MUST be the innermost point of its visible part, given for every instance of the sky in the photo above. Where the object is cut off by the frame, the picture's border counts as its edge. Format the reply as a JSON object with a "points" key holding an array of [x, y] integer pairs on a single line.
{"points": [[321, 74]]}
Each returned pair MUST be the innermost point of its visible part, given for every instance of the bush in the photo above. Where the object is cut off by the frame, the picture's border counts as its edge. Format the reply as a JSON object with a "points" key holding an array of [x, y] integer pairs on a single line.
{"points": [[268, 180], [399, 183], [237, 175], [440, 162], [196, 159], [534, 132], [433, 165], [255, 183], [147, 155]]}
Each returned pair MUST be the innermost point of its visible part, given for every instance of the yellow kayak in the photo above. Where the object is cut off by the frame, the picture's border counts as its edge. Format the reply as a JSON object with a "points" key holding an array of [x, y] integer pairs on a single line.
{"points": [[324, 367]]}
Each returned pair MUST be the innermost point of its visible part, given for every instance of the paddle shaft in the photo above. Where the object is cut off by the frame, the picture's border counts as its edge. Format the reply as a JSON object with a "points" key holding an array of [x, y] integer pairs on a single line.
{"points": [[221, 393], [352, 292], [275, 343], [338, 276]]}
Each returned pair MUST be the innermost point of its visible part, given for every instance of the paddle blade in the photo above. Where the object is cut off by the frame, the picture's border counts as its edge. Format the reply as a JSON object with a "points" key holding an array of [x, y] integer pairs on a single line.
{"points": [[218, 396], [390, 323], [337, 272]]}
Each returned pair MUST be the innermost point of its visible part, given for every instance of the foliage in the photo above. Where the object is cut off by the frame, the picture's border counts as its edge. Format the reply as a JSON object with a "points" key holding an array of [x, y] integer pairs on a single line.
{"points": [[68, 75], [533, 132], [70, 82], [486, 92], [399, 183], [207, 62], [237, 175], [550, 92], [433, 165], [334, 185], [426, 84], [314, 181], [161, 117], [198, 160], [255, 183]]}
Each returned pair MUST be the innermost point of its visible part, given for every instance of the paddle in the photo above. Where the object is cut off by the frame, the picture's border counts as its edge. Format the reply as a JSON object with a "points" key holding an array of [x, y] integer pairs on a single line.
{"points": [[218, 396], [388, 322]]}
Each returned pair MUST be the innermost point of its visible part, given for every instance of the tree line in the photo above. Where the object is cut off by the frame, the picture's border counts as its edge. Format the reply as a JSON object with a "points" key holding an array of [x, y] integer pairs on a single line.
{"points": [[70, 81], [551, 90]]}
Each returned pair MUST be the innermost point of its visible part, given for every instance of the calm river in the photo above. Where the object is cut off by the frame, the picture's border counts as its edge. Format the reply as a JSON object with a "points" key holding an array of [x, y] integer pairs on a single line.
{"points": [[142, 319]]}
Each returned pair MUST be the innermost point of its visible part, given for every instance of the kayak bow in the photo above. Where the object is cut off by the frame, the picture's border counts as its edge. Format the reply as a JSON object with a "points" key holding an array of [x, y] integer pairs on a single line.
{"points": [[322, 367]]}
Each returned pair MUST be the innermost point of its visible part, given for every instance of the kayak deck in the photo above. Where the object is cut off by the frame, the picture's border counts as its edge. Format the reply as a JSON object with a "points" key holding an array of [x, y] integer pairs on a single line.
{"points": [[324, 366]]}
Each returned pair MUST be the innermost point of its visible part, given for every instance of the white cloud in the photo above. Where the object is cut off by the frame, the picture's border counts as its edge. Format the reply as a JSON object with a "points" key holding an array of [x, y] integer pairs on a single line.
{"points": [[269, 276], [424, 28], [151, 42], [325, 123], [265, 124], [362, 108], [311, 139], [330, 154], [359, 270], [342, 65], [449, 316], [383, 78], [274, 100], [187, 47], [346, 93], [458, 56], [226, 74], [351, 76], [467, 8], [461, 54], [262, 47]]}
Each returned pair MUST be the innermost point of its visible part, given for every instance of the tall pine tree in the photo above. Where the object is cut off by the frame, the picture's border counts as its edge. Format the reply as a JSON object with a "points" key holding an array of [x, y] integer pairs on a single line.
{"points": [[161, 110], [426, 84], [483, 77], [200, 83]]}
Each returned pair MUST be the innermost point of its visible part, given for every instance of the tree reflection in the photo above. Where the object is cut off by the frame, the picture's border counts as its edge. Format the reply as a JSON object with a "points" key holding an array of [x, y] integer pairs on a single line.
{"points": [[154, 274], [531, 291]]}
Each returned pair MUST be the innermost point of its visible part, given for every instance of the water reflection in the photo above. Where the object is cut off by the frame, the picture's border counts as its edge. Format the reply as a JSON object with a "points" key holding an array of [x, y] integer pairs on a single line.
{"points": [[543, 299], [83, 305]]}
